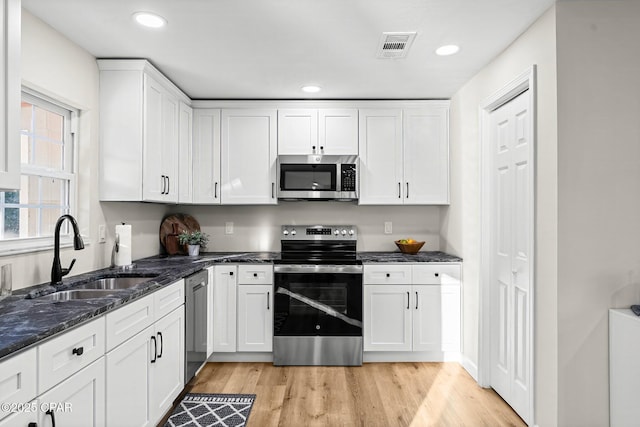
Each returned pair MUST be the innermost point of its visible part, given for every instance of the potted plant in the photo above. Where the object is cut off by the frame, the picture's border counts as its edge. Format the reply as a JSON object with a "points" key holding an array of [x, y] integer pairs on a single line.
{"points": [[194, 240]]}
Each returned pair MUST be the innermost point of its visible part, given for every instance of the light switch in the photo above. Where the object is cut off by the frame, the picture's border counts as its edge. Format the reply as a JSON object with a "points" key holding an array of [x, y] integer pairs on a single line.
{"points": [[102, 233], [388, 227], [228, 228]]}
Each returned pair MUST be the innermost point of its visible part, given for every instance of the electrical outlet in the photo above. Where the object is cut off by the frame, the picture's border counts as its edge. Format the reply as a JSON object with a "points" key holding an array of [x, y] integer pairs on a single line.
{"points": [[228, 228], [102, 233], [388, 227]]}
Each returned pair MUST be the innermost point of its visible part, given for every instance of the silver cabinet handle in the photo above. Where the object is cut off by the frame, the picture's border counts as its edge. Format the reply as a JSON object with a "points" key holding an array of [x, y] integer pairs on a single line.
{"points": [[399, 190], [407, 190]]}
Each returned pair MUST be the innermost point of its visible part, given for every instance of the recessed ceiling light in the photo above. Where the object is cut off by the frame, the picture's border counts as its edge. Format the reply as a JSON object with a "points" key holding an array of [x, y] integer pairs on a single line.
{"points": [[311, 89], [148, 19], [447, 50]]}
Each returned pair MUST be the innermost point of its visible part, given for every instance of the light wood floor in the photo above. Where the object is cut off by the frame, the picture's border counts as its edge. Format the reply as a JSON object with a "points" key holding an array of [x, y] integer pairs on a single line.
{"points": [[376, 394]]}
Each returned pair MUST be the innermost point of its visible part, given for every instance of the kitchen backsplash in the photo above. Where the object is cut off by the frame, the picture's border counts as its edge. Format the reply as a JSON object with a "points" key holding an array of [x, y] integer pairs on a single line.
{"points": [[257, 228]]}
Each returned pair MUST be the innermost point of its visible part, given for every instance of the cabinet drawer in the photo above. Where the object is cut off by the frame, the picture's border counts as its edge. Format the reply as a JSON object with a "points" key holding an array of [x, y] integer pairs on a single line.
{"points": [[67, 354], [168, 298], [436, 274], [18, 382], [387, 274], [255, 274], [127, 321]]}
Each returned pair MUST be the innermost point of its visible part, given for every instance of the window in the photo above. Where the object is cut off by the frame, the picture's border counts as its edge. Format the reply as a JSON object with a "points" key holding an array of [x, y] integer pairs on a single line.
{"points": [[47, 179]]}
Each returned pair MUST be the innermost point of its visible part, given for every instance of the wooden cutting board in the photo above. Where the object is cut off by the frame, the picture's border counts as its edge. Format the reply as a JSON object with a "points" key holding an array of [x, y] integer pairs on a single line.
{"points": [[171, 226]]}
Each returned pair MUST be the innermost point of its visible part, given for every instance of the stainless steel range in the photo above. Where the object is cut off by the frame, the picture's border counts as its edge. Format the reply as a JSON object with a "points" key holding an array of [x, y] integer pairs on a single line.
{"points": [[318, 297]]}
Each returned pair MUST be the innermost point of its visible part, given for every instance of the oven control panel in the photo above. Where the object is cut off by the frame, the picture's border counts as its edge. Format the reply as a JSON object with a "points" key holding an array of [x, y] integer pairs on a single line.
{"points": [[319, 232]]}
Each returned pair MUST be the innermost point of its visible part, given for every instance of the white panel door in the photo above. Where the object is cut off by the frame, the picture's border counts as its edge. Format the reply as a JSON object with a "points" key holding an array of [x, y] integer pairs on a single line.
{"points": [[167, 371], [249, 150], [298, 131], [338, 131], [185, 154], [380, 146], [387, 318], [255, 318], [510, 288], [84, 392], [154, 182], [224, 308], [206, 156], [128, 381], [426, 155]]}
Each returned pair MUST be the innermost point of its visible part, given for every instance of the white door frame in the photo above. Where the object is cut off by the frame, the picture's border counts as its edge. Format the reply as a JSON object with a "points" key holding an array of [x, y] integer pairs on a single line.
{"points": [[523, 82]]}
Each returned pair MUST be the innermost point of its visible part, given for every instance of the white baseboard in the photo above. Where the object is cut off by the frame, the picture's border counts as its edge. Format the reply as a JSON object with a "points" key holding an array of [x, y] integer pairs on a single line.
{"points": [[470, 367], [410, 356]]}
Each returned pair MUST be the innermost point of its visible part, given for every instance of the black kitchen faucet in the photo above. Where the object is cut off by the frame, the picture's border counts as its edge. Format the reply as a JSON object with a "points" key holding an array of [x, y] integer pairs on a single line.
{"points": [[57, 272]]}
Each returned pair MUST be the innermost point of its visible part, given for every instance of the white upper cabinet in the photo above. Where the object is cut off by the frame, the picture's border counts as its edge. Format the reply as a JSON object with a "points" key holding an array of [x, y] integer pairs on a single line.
{"points": [[331, 131], [206, 156], [426, 155], [249, 156], [404, 155], [10, 95], [140, 116], [185, 158], [381, 157]]}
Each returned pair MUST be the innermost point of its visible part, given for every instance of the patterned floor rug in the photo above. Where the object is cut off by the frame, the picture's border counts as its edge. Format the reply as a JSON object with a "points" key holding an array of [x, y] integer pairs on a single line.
{"points": [[208, 410]]}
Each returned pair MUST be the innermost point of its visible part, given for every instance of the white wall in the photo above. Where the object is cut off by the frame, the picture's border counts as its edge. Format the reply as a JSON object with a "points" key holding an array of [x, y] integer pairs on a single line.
{"points": [[257, 228], [461, 221], [598, 193], [61, 69]]}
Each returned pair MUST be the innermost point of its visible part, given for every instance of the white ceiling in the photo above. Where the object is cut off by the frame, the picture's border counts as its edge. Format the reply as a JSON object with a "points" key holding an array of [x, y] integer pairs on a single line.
{"points": [[233, 49]]}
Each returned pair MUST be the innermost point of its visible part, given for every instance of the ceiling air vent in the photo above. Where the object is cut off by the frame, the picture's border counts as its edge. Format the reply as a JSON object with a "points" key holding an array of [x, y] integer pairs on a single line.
{"points": [[395, 45]]}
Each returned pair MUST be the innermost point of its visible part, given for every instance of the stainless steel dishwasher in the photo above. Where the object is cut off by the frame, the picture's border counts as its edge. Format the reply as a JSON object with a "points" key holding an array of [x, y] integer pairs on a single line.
{"points": [[197, 327]]}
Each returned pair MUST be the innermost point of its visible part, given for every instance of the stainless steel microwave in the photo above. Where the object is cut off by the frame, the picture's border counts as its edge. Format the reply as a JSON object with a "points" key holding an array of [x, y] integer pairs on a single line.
{"points": [[318, 177]]}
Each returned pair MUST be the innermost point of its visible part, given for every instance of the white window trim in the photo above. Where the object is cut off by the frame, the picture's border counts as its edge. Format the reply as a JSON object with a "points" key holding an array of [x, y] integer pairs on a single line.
{"points": [[46, 243]]}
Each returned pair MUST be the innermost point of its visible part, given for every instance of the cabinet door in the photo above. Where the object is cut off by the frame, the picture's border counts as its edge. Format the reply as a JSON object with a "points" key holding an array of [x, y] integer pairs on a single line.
{"points": [[338, 131], [436, 318], [298, 131], [224, 308], [24, 418], [18, 380], [128, 381], [255, 318], [154, 182], [170, 145], [426, 156], [84, 395], [387, 318], [206, 156], [249, 157], [185, 155], [380, 145], [10, 95], [167, 372]]}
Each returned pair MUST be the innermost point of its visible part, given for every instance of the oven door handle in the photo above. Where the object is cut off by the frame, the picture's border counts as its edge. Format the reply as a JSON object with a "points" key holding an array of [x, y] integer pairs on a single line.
{"points": [[312, 268]]}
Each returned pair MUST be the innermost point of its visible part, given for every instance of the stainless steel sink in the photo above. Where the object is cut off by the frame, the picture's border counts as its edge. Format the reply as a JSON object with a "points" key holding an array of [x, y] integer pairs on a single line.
{"points": [[114, 283], [76, 294]]}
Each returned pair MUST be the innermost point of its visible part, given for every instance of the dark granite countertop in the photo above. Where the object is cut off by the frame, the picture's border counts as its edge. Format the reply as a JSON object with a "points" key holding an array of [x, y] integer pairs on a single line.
{"points": [[394, 257], [25, 319]]}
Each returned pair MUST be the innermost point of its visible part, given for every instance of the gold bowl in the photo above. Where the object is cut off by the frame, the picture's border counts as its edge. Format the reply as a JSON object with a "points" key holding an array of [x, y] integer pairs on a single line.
{"points": [[409, 248]]}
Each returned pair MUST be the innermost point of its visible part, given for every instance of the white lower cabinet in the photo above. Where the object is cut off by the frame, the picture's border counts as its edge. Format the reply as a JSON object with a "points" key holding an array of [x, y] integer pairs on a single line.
{"points": [[417, 311], [167, 373], [22, 418], [224, 308], [255, 318], [146, 373], [77, 401]]}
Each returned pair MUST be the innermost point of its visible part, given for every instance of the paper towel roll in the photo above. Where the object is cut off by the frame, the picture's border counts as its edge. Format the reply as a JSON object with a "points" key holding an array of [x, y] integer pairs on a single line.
{"points": [[123, 237]]}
